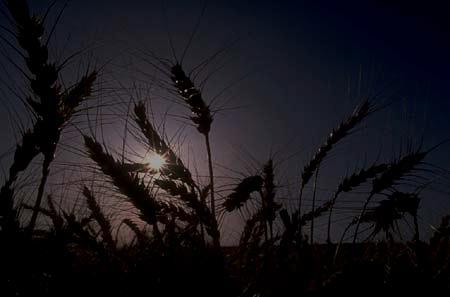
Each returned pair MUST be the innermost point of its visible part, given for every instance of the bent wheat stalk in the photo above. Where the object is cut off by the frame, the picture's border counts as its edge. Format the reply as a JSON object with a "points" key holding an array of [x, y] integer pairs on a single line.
{"points": [[176, 176], [201, 116], [129, 185], [174, 167], [395, 172], [344, 128], [351, 182]]}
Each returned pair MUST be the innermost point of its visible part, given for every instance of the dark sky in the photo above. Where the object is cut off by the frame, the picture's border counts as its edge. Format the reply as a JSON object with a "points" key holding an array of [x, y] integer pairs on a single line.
{"points": [[297, 68]]}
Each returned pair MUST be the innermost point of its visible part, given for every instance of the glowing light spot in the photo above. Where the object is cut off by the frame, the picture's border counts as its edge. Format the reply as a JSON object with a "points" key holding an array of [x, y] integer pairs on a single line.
{"points": [[155, 161]]}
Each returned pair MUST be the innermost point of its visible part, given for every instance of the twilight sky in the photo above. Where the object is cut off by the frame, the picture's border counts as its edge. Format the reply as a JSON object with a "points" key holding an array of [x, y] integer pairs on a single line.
{"points": [[291, 72]]}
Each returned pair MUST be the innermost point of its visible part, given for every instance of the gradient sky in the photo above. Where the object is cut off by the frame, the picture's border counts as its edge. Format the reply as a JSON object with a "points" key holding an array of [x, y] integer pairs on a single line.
{"points": [[296, 69]]}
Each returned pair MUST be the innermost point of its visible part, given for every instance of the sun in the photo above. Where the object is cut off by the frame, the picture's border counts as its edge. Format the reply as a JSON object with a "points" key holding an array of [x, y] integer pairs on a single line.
{"points": [[155, 161]]}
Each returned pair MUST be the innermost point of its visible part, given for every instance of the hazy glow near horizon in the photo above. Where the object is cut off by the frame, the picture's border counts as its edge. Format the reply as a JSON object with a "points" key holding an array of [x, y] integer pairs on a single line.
{"points": [[155, 161]]}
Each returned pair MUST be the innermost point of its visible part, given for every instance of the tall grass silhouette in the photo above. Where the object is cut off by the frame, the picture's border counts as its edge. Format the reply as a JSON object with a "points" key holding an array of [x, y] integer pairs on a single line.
{"points": [[139, 227]]}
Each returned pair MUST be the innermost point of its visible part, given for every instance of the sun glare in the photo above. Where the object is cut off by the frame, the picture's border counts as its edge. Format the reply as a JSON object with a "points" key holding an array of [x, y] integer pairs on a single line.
{"points": [[155, 161]]}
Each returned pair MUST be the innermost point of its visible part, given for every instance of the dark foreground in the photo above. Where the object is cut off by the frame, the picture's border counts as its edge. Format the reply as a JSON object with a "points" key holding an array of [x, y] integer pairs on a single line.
{"points": [[62, 265]]}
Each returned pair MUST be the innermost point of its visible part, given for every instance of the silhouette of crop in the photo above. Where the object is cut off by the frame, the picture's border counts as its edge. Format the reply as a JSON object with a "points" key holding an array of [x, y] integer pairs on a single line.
{"points": [[145, 225]]}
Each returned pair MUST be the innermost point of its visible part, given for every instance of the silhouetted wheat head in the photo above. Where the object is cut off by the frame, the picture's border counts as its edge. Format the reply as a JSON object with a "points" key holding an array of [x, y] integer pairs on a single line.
{"points": [[201, 116], [176, 178], [395, 173], [340, 132], [242, 192], [128, 184], [174, 167]]}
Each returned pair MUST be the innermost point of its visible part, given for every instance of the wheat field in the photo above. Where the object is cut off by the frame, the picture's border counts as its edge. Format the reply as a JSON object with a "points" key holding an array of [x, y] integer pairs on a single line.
{"points": [[114, 181]]}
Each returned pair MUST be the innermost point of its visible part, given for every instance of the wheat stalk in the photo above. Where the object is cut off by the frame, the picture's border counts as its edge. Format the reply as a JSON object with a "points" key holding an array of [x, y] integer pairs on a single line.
{"points": [[241, 193], [174, 168], [201, 115], [348, 184], [250, 229], [99, 217], [191, 199], [130, 186], [53, 108], [140, 235], [394, 173], [343, 129], [56, 218], [268, 195]]}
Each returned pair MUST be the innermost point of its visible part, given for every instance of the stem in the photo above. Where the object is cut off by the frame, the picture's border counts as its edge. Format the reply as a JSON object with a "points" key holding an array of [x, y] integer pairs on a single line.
{"points": [[211, 175], [216, 239], [265, 210], [338, 247], [329, 218], [314, 206], [417, 246], [360, 217], [45, 172], [195, 187], [300, 212]]}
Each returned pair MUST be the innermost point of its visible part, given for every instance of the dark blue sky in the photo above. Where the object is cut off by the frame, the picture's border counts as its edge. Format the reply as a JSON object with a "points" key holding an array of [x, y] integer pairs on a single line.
{"points": [[301, 66]]}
